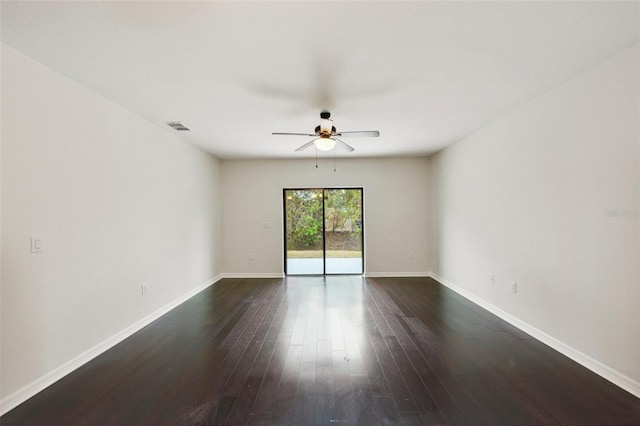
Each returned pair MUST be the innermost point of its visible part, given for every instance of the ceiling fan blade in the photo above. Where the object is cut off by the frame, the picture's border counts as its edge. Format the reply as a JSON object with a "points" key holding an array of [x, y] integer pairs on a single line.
{"points": [[345, 145], [360, 134], [293, 134], [305, 146]]}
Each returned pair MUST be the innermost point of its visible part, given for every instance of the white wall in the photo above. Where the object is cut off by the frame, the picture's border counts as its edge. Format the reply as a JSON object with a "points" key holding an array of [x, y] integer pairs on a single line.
{"points": [[395, 211], [117, 201], [529, 198]]}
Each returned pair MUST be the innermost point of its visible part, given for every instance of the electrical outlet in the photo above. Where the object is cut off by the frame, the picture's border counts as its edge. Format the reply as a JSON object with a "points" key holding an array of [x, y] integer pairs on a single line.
{"points": [[251, 256], [144, 288], [492, 279], [514, 287], [412, 255]]}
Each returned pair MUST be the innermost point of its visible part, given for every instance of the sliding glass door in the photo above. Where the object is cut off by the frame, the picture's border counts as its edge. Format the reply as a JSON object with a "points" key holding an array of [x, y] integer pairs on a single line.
{"points": [[304, 231], [323, 231], [343, 231]]}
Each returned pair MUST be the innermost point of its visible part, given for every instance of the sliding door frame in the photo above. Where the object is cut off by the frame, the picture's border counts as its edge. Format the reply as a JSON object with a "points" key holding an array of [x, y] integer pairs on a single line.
{"points": [[324, 230]]}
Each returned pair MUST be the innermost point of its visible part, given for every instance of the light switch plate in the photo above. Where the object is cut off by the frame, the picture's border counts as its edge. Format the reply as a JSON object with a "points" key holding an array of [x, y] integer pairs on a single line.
{"points": [[36, 244]]}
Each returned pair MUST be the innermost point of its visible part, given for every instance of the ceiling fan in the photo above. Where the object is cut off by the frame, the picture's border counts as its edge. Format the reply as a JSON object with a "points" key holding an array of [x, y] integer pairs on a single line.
{"points": [[326, 135]]}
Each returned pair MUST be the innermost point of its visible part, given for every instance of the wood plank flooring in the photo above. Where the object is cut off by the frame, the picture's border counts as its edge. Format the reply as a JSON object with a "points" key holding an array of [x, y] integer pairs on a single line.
{"points": [[329, 351]]}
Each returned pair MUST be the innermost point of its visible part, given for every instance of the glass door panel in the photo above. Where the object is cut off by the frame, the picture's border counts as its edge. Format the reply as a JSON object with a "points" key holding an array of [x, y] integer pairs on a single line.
{"points": [[304, 242], [343, 231]]}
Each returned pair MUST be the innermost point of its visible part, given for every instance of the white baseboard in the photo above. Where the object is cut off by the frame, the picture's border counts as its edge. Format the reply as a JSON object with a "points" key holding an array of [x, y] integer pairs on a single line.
{"points": [[395, 274], [253, 275], [21, 395], [603, 370], [282, 275]]}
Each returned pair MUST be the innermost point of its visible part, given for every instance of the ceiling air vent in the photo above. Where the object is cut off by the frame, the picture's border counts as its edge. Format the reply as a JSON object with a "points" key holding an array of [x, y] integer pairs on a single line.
{"points": [[176, 125]]}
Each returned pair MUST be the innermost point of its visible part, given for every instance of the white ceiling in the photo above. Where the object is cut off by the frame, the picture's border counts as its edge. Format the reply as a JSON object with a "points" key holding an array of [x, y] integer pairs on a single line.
{"points": [[425, 74]]}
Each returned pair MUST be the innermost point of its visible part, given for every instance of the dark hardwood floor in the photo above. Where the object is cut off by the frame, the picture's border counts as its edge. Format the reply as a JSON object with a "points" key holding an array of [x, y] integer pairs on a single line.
{"points": [[324, 351]]}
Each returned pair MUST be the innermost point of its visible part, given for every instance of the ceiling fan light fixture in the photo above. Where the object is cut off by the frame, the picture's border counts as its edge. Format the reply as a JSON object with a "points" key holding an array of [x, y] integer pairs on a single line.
{"points": [[324, 144]]}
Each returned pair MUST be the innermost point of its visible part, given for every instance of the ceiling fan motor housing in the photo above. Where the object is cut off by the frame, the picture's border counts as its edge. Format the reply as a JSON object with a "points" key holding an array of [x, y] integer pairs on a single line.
{"points": [[318, 130], [326, 127]]}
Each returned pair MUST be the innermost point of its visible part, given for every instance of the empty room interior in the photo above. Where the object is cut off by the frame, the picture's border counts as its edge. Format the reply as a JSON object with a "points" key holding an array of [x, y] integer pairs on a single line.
{"points": [[315, 213]]}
